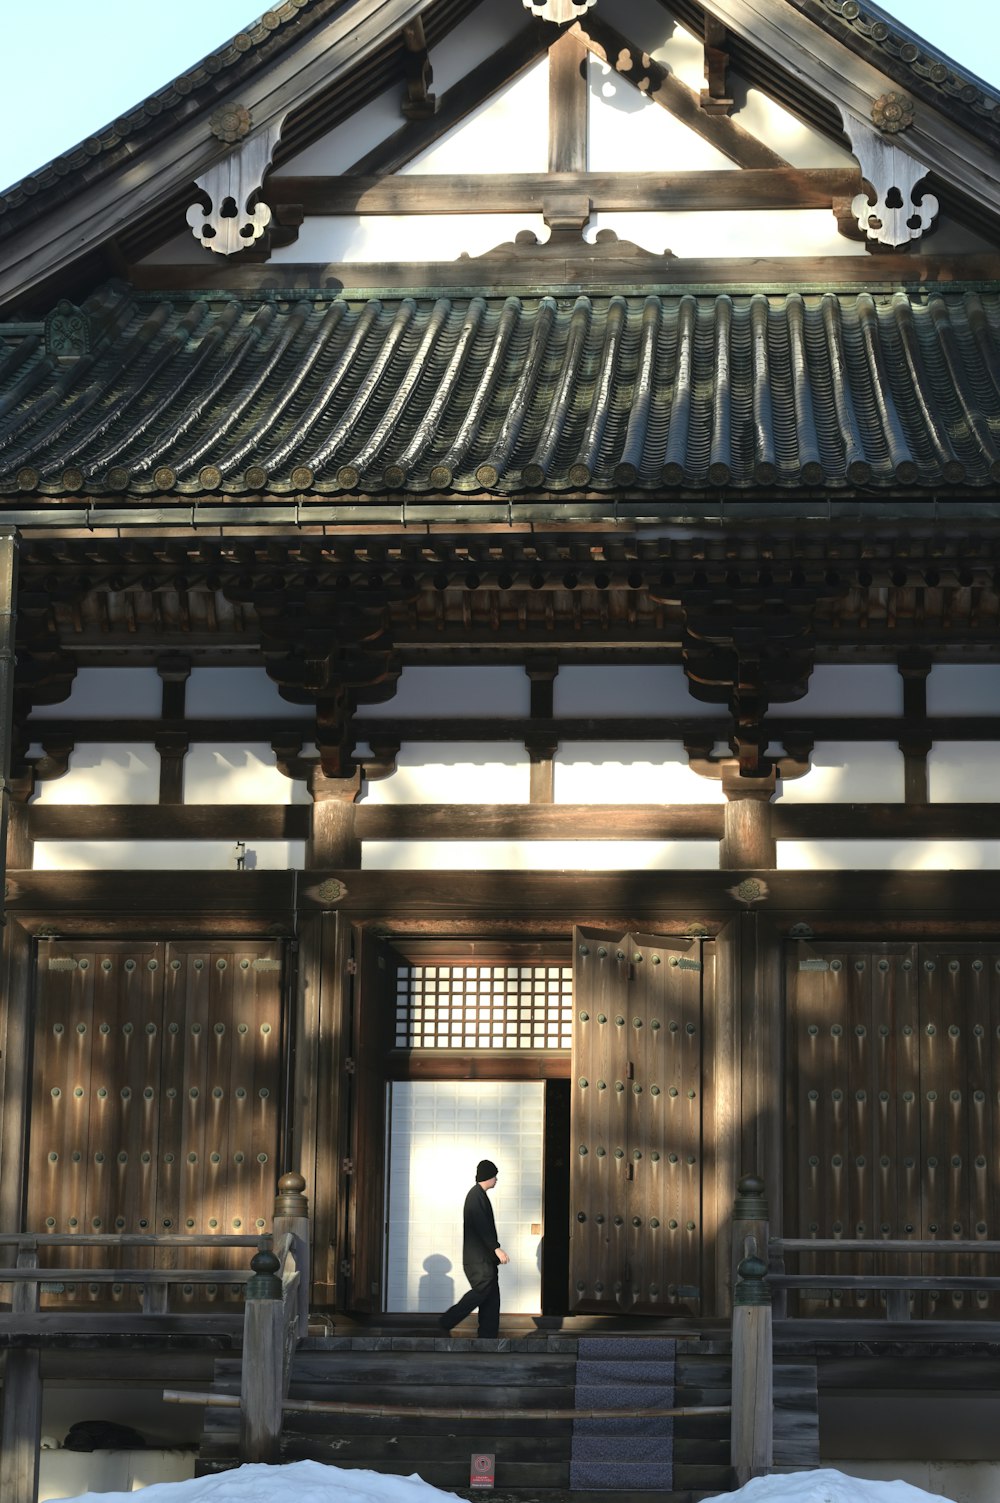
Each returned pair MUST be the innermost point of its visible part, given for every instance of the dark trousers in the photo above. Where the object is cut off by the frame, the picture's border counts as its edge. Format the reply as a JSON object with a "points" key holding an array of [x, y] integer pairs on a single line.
{"points": [[485, 1298]]}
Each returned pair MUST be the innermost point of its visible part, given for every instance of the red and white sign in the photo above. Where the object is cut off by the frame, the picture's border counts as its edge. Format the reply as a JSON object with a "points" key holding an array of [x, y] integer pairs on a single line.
{"points": [[482, 1469]]}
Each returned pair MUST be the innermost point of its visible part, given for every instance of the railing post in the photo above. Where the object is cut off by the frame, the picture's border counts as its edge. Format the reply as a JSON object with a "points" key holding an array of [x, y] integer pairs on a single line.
{"points": [[291, 1214], [752, 1228], [262, 1377], [752, 1445]]}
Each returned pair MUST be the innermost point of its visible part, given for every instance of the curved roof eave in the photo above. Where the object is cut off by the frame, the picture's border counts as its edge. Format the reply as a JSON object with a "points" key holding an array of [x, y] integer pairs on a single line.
{"points": [[350, 34]]}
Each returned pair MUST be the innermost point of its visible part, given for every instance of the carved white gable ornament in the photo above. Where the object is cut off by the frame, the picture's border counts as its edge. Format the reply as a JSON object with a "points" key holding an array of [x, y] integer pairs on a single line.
{"points": [[558, 10], [894, 218], [228, 225]]}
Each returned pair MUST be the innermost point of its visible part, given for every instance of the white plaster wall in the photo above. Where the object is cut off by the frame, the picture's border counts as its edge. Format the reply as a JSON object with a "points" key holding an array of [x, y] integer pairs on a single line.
{"points": [[164, 855], [507, 133], [346, 240], [888, 855], [630, 772], [238, 774], [455, 691], [540, 855], [751, 232], [105, 773], [626, 690], [848, 689], [439, 1131], [628, 129], [846, 772], [964, 772], [115, 692], [214, 693], [456, 772], [964, 689]]}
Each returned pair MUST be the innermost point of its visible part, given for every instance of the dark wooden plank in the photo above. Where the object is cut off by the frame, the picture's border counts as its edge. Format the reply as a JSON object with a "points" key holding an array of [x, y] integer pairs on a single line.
{"points": [[169, 822], [783, 187], [252, 901], [539, 822], [529, 269], [21, 1427]]}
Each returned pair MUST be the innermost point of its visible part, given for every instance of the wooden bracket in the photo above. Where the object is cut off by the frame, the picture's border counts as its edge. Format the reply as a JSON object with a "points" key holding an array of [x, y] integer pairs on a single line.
{"points": [[716, 99], [418, 102]]}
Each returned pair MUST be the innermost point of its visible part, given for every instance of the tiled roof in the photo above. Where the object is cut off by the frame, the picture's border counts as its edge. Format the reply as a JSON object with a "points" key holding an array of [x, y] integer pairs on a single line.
{"points": [[324, 394]]}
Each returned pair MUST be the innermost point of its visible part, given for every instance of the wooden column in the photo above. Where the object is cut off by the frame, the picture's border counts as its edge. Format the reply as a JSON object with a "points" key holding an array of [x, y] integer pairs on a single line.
{"points": [[8, 622], [568, 104], [748, 843], [541, 748], [174, 671], [22, 1426], [333, 840], [752, 1437], [915, 743]]}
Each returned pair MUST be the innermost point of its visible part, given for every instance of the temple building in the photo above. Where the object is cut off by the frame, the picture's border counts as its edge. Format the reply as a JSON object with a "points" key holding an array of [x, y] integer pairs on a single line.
{"points": [[499, 625]]}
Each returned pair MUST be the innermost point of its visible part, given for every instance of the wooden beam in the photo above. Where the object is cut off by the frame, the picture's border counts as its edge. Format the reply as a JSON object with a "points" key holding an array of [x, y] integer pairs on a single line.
{"points": [[530, 268], [612, 47], [141, 822], [783, 187], [569, 98], [539, 822]]}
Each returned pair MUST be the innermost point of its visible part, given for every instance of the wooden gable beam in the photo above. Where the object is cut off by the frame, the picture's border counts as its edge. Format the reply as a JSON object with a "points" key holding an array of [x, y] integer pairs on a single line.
{"points": [[605, 42], [568, 104]]}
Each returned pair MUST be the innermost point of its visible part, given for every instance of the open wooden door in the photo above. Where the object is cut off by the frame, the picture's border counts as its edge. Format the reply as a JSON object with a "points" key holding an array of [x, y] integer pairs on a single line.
{"points": [[636, 1124]]}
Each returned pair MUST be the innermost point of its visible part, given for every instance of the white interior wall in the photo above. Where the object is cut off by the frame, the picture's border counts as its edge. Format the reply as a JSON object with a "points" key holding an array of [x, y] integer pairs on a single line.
{"points": [[165, 855], [540, 855], [494, 772], [439, 1132], [630, 772]]}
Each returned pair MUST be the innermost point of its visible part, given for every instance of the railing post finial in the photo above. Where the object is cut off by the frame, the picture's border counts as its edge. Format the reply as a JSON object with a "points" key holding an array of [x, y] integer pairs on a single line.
{"points": [[265, 1284], [291, 1199], [751, 1202]]}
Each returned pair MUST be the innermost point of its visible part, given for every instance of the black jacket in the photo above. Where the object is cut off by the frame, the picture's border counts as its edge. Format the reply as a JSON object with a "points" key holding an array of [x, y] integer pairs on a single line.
{"points": [[480, 1240]]}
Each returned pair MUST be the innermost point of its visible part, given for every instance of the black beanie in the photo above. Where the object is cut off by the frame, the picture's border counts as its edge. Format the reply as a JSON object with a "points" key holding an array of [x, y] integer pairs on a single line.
{"points": [[485, 1169]]}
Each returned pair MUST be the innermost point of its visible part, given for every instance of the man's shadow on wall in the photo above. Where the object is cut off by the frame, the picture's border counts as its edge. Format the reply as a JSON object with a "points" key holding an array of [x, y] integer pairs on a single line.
{"points": [[436, 1290]]}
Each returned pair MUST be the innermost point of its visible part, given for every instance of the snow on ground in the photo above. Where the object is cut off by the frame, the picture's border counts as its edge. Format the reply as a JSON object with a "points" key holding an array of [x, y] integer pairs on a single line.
{"points": [[826, 1487], [311, 1482]]}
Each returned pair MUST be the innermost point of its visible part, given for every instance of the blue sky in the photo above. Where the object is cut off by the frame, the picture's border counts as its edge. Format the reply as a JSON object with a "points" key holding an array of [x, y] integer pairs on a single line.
{"points": [[72, 67]]}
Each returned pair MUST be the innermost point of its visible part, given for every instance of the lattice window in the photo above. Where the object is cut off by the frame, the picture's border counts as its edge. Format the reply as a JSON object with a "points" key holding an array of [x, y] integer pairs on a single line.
{"points": [[484, 1007]]}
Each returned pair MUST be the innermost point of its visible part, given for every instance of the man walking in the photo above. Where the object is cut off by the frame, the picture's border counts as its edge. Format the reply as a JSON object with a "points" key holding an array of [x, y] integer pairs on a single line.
{"points": [[481, 1256]]}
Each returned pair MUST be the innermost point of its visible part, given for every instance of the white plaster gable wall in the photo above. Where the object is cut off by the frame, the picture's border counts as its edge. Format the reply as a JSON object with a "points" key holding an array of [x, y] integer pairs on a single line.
{"points": [[507, 133], [495, 772], [630, 772], [848, 772], [234, 773], [105, 773], [626, 127], [455, 691], [164, 855], [749, 232], [119, 693], [349, 240], [540, 855]]}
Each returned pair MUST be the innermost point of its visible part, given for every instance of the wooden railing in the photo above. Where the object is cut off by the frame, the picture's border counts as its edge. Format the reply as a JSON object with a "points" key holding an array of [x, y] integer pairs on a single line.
{"points": [[897, 1287], [275, 1317], [760, 1296]]}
